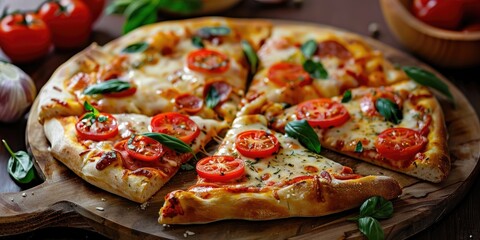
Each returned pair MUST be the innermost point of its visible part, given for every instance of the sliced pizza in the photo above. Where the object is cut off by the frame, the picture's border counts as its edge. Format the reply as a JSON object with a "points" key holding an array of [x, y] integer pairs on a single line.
{"points": [[399, 127], [260, 174], [113, 153]]}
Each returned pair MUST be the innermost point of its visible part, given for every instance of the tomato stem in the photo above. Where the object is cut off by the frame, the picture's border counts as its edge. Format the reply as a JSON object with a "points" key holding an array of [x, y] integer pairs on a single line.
{"points": [[8, 148]]}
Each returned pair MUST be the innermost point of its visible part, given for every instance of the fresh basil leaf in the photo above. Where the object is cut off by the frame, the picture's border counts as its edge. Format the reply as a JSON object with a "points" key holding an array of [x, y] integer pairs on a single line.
{"points": [[428, 79], [135, 47], [207, 32], [359, 147], [170, 142], [110, 86], [305, 134], [251, 56], [20, 165], [183, 7], [102, 118], [143, 15], [315, 69], [347, 96], [187, 167], [118, 6], [197, 42], [377, 207], [213, 98], [309, 48], [89, 108], [371, 228], [389, 110]]}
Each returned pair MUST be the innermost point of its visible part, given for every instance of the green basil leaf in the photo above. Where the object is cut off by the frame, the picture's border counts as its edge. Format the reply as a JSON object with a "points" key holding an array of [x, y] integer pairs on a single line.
{"points": [[207, 32], [371, 228], [315, 69], [389, 110], [251, 56], [89, 108], [377, 207], [183, 7], [20, 165], [304, 133], [347, 96], [187, 167], [428, 79], [309, 48], [197, 42], [359, 147], [145, 14], [213, 98], [110, 86], [118, 6], [135, 47], [170, 142]]}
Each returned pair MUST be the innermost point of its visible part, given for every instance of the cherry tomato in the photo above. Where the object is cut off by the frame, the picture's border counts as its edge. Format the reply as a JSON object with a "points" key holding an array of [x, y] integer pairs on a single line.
{"points": [[223, 90], [346, 174], [220, 168], [208, 61], [24, 37], [399, 143], [177, 125], [256, 144], [331, 48], [144, 148], [439, 13], [189, 103], [323, 113], [69, 21], [95, 7], [292, 74], [103, 127]]}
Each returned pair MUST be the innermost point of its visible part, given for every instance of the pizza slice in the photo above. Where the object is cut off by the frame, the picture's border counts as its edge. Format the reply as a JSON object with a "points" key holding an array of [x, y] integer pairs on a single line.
{"points": [[113, 153], [303, 63], [260, 174], [399, 127]]}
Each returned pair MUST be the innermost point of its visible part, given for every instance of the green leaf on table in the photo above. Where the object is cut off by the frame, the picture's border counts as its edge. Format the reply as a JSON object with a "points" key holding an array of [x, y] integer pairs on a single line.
{"points": [[135, 47], [377, 207], [20, 165], [251, 56], [138, 14], [309, 48], [118, 6], [304, 133], [389, 110], [371, 228], [315, 69], [212, 98], [183, 7], [428, 79], [170, 142], [347, 96], [111, 86]]}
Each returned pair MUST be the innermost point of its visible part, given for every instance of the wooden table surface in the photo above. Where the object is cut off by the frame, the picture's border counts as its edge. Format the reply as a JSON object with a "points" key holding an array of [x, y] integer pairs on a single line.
{"points": [[463, 222]]}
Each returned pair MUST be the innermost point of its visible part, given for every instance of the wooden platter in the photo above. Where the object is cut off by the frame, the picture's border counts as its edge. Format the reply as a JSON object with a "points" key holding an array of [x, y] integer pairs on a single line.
{"points": [[64, 199]]}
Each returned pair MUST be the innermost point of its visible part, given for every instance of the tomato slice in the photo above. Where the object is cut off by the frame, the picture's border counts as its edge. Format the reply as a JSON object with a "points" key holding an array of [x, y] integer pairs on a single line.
{"points": [[256, 144], [399, 143], [144, 148], [284, 74], [177, 125], [208, 61], [189, 103], [220, 168], [323, 113], [223, 90], [96, 130]]}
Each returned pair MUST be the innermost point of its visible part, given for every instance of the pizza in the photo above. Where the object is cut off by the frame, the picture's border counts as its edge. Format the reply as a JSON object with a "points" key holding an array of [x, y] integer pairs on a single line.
{"points": [[127, 115], [259, 174]]}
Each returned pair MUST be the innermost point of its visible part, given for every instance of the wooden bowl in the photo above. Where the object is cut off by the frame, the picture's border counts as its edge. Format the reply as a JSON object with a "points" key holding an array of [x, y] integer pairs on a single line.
{"points": [[440, 47]]}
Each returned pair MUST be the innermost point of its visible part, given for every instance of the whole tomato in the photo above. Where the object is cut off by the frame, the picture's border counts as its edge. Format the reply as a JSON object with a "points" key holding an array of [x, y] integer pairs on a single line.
{"points": [[24, 37], [439, 13], [96, 8], [69, 20]]}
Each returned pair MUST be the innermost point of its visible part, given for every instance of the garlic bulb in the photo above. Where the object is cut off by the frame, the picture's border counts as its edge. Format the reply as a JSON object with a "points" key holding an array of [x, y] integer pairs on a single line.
{"points": [[17, 92]]}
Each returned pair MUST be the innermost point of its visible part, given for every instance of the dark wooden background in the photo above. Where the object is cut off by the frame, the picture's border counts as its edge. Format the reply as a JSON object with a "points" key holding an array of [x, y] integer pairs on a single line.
{"points": [[463, 222]]}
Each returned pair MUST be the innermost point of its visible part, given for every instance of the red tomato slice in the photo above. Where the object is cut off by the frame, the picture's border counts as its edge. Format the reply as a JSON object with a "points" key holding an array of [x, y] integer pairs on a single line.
{"points": [[144, 148], [323, 113], [223, 90], [96, 130], [256, 144], [208, 61], [177, 125], [220, 168], [189, 103], [284, 74], [400, 143], [331, 48]]}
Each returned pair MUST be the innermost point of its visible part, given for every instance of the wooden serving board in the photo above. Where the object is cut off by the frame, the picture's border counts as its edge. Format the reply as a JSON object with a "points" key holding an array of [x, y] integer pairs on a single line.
{"points": [[64, 199]]}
